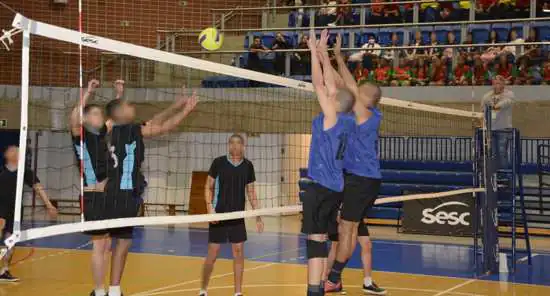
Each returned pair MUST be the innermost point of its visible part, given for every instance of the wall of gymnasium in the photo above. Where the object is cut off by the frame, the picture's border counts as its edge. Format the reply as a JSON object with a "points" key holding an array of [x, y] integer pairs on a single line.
{"points": [[136, 21]]}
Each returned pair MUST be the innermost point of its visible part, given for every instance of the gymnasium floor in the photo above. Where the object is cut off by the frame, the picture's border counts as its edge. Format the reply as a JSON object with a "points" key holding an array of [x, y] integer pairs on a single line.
{"points": [[167, 261]]}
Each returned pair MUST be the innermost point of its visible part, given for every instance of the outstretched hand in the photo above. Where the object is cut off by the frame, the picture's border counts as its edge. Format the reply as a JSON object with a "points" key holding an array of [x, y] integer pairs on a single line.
{"points": [[191, 102], [312, 41], [338, 45], [322, 45], [93, 85], [119, 88]]}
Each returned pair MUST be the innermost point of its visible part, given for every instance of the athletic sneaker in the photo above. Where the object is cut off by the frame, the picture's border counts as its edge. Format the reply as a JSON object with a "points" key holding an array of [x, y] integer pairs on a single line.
{"points": [[374, 290], [93, 294], [7, 277], [203, 294], [331, 287]]}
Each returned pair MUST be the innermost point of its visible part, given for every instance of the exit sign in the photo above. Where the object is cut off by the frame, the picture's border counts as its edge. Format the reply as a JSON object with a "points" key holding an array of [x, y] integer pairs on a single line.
{"points": [[3, 123]]}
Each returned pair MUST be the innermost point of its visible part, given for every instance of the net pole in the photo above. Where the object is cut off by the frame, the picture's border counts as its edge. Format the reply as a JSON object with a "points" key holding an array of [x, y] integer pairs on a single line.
{"points": [[81, 111], [25, 64]]}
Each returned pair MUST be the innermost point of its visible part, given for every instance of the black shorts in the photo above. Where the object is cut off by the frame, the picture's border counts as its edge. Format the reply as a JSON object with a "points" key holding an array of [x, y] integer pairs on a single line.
{"points": [[223, 232], [102, 206], [362, 230], [359, 196], [320, 207], [8, 226]]}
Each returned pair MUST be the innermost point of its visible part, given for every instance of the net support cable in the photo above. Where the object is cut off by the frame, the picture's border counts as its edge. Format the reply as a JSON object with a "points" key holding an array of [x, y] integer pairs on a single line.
{"points": [[29, 27]]}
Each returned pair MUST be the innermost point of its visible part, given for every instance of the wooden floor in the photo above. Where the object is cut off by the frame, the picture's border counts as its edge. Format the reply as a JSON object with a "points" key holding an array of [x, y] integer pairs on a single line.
{"points": [[167, 261]]}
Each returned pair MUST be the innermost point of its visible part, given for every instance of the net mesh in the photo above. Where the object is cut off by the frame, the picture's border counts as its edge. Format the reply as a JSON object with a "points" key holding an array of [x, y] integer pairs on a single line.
{"points": [[275, 120]]}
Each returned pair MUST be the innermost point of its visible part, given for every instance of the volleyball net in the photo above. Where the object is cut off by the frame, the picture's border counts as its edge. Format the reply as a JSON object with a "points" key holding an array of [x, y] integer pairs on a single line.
{"points": [[273, 113]]}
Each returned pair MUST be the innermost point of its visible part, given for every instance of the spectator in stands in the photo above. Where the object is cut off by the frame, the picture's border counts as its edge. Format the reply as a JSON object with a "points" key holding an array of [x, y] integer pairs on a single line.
{"points": [[521, 9], [514, 50], [420, 72], [543, 8], [532, 51], [369, 50], [415, 51], [546, 73], [490, 53], [302, 59], [391, 54], [401, 75], [480, 72], [500, 100], [448, 52], [526, 75], [344, 14], [392, 14], [360, 73], [254, 60], [327, 14], [438, 72], [377, 12], [434, 51], [431, 11], [408, 12], [463, 11], [299, 12], [486, 9], [505, 8], [462, 74], [382, 73], [447, 11], [504, 69], [280, 43], [469, 52]]}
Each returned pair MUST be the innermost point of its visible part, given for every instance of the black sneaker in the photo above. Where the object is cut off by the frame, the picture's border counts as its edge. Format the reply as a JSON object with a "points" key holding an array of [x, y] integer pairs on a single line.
{"points": [[7, 277], [93, 294], [374, 290]]}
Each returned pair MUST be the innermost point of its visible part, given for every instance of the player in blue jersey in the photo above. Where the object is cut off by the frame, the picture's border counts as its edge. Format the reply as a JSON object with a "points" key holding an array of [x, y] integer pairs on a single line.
{"points": [[362, 173], [328, 144]]}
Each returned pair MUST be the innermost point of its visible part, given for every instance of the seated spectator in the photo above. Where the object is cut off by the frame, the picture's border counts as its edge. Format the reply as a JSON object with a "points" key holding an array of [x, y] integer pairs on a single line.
{"points": [[430, 9], [532, 51], [299, 11], [434, 51], [391, 54], [392, 13], [447, 11], [480, 73], [525, 74], [463, 10], [490, 53], [327, 14], [486, 9], [521, 9], [382, 73], [377, 12], [462, 74], [371, 48], [505, 8], [302, 59], [420, 72], [438, 72], [514, 50], [280, 43], [546, 73], [401, 75], [360, 73], [449, 51], [408, 12], [504, 68], [469, 52], [256, 49], [415, 52], [543, 8], [344, 14]]}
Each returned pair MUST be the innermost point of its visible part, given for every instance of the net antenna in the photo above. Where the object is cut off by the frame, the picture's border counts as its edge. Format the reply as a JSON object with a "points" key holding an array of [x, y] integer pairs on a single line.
{"points": [[105, 44], [6, 38]]}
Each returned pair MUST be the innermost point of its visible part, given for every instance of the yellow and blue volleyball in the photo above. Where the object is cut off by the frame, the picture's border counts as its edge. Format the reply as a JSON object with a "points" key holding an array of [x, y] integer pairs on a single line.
{"points": [[211, 39]]}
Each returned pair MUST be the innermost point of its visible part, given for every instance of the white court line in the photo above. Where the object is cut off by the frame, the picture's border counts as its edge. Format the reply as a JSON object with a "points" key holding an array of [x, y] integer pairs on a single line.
{"points": [[455, 287], [229, 273], [61, 253], [523, 259], [304, 286]]}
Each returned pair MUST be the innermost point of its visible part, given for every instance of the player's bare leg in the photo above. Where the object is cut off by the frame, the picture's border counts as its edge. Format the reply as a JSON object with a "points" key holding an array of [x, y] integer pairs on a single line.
{"points": [[208, 266], [238, 266], [118, 262], [100, 249], [5, 275]]}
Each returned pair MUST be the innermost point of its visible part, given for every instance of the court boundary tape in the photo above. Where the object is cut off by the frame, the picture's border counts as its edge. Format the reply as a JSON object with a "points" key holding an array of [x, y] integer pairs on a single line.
{"points": [[60, 253], [451, 289], [304, 286]]}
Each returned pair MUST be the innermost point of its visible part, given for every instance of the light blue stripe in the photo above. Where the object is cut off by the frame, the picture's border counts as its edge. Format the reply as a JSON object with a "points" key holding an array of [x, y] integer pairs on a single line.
{"points": [[127, 182], [216, 192], [89, 173]]}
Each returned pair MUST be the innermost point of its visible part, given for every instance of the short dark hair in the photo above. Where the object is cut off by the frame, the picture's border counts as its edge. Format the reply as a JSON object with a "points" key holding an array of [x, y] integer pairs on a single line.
{"points": [[89, 107], [8, 148], [257, 37], [236, 136], [112, 106]]}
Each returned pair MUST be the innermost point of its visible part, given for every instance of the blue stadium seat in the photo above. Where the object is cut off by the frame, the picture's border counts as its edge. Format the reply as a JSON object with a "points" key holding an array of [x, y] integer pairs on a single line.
{"points": [[412, 165], [502, 29], [425, 31], [384, 36], [224, 82], [268, 38], [428, 177], [480, 33], [543, 29], [293, 17], [442, 31]]}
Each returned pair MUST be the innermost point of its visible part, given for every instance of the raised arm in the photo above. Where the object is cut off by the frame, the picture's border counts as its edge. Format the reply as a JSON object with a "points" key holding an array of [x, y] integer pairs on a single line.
{"points": [[343, 70], [326, 94], [154, 128], [165, 114], [75, 114]]}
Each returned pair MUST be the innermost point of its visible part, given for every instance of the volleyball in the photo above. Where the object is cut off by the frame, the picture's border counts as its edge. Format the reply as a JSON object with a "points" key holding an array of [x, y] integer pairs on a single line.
{"points": [[211, 39]]}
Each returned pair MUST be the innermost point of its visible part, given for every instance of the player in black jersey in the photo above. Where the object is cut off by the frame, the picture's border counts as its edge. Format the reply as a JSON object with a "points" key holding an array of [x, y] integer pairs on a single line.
{"points": [[8, 187], [230, 181], [124, 177]]}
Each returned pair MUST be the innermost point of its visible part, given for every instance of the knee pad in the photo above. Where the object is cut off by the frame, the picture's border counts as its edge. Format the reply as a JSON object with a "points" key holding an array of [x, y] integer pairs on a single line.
{"points": [[316, 249]]}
